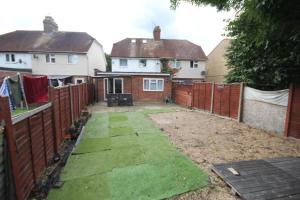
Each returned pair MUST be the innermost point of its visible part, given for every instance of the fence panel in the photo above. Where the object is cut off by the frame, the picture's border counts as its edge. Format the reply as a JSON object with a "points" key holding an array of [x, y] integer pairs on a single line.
{"points": [[182, 94], [202, 96], [292, 125], [226, 100]]}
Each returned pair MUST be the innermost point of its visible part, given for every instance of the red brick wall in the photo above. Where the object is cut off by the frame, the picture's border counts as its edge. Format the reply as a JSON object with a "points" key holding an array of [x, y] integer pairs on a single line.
{"points": [[140, 95], [134, 85]]}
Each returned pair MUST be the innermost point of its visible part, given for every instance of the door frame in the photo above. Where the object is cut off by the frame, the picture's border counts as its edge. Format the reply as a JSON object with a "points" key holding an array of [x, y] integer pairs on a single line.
{"points": [[105, 80]]}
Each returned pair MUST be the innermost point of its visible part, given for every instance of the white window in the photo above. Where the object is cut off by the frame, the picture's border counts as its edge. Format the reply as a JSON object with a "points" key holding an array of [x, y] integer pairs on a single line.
{"points": [[10, 57], [194, 64], [143, 63], [72, 59], [151, 84], [123, 62], [176, 64], [50, 58]]}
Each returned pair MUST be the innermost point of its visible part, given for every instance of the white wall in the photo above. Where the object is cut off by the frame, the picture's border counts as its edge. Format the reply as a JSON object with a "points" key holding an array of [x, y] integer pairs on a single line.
{"points": [[25, 64], [61, 66], [187, 72], [153, 65], [96, 58]]}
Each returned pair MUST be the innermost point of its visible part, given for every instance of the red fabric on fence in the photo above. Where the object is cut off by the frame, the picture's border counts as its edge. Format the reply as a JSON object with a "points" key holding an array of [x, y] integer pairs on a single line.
{"points": [[36, 89]]}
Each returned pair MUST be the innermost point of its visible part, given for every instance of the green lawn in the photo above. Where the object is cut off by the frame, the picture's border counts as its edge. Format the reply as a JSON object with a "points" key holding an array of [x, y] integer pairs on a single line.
{"points": [[123, 156]]}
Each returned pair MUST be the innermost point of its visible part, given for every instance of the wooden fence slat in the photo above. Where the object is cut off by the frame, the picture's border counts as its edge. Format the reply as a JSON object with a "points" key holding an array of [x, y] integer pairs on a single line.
{"points": [[11, 145]]}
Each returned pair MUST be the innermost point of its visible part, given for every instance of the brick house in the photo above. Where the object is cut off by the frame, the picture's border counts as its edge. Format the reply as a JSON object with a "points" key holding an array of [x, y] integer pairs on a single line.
{"points": [[145, 67]]}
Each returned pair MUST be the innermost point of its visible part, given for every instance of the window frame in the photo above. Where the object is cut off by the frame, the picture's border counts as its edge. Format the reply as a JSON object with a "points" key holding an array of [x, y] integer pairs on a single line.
{"points": [[51, 56], [194, 64], [123, 59], [156, 83], [72, 56], [10, 58]]}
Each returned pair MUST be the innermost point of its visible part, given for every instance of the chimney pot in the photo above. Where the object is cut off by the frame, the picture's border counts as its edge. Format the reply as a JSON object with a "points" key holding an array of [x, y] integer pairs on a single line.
{"points": [[156, 33], [49, 25]]}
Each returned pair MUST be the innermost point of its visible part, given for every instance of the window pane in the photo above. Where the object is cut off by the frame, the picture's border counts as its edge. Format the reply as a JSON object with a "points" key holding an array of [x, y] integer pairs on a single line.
{"points": [[146, 84], [177, 64], [195, 64], [7, 57], [143, 63], [52, 60], [160, 85], [153, 85], [123, 62], [12, 57], [72, 59], [191, 64]]}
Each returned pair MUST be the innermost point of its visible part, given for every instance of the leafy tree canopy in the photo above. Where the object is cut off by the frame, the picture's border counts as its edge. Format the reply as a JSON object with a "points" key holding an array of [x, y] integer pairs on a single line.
{"points": [[265, 47], [108, 60]]}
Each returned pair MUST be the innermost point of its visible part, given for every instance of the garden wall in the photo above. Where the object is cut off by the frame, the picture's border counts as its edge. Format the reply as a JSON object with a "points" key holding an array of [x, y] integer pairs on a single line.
{"points": [[263, 115], [265, 109]]}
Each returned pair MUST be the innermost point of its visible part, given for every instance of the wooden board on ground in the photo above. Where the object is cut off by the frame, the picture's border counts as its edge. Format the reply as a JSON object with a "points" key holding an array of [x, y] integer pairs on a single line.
{"points": [[274, 178]]}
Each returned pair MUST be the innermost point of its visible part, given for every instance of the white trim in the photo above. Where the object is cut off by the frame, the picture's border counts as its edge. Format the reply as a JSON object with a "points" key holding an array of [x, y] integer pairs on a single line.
{"points": [[105, 88], [151, 79], [114, 83], [114, 88]]}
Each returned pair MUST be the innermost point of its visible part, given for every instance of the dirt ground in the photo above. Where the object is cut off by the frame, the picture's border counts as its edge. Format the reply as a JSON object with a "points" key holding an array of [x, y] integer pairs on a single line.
{"points": [[208, 139]]}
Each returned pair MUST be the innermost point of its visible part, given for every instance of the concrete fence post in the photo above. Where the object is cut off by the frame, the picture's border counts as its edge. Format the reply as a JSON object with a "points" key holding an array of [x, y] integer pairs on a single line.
{"points": [[240, 111]]}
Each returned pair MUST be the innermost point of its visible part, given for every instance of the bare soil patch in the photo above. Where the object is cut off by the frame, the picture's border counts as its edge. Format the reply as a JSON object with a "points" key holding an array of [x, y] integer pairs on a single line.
{"points": [[207, 140]]}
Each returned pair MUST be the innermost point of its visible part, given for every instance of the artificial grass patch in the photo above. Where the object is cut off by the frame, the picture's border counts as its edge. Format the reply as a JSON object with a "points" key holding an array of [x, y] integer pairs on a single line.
{"points": [[131, 158], [82, 165], [87, 188], [120, 131], [155, 180], [97, 126], [88, 145]]}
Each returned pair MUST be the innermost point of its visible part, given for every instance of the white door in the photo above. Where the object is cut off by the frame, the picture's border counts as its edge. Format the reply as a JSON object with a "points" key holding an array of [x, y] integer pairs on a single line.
{"points": [[113, 86]]}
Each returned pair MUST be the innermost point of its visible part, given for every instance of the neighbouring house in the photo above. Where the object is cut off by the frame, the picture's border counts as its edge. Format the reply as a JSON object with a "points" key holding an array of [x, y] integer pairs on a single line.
{"points": [[146, 67], [216, 68], [57, 54]]}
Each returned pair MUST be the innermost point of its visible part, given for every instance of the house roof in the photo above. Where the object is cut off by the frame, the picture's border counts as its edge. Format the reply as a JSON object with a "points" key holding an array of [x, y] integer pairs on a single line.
{"points": [[39, 41], [163, 48]]}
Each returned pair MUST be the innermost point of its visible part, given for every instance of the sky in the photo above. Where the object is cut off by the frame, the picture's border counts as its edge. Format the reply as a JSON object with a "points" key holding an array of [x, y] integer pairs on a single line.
{"points": [[110, 21]]}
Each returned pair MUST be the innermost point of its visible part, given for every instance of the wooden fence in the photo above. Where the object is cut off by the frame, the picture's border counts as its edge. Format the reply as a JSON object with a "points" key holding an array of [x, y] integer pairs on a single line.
{"points": [[35, 136], [182, 94], [292, 122], [224, 100]]}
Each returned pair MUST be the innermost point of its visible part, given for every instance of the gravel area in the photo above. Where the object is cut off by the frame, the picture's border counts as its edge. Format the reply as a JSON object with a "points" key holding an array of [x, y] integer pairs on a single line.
{"points": [[208, 139]]}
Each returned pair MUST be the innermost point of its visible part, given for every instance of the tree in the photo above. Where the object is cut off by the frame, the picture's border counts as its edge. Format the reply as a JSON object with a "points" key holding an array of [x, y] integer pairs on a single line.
{"points": [[265, 50], [108, 60]]}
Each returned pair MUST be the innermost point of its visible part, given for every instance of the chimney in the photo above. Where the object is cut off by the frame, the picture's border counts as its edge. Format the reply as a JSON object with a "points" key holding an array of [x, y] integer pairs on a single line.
{"points": [[156, 33], [49, 25]]}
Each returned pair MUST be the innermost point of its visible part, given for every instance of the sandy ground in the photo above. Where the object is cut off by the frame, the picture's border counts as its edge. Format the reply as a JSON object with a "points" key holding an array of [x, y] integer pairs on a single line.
{"points": [[208, 139]]}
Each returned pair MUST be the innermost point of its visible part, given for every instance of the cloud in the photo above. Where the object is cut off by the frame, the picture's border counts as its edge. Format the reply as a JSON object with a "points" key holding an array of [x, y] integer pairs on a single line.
{"points": [[113, 20]]}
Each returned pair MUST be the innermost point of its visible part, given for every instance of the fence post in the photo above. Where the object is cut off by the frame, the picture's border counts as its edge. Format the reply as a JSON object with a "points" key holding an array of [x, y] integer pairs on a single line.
{"points": [[212, 97], [240, 112], [71, 104], [288, 111], [5, 111]]}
